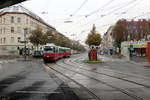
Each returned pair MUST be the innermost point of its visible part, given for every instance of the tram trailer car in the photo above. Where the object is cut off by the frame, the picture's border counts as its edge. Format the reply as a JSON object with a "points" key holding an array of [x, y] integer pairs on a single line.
{"points": [[52, 53], [65, 52]]}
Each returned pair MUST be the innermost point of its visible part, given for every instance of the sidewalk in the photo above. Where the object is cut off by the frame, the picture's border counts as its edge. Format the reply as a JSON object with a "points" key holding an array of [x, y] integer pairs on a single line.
{"points": [[111, 58], [138, 60], [141, 60]]}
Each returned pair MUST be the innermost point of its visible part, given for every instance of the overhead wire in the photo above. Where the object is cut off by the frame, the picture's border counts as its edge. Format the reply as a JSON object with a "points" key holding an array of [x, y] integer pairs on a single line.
{"points": [[111, 11], [139, 15], [109, 8], [121, 7], [85, 1], [70, 16], [125, 12], [106, 4], [131, 7], [118, 8], [127, 4], [46, 7], [109, 2]]}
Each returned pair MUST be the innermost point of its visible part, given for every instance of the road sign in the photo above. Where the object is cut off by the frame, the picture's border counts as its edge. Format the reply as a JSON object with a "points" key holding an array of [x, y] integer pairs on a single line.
{"points": [[23, 41]]}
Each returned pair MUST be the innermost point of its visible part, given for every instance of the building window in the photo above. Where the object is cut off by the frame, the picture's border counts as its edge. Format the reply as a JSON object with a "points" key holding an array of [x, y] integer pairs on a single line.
{"points": [[19, 29], [19, 20], [4, 20], [27, 21], [12, 19], [12, 29], [4, 40], [19, 39], [12, 39]]}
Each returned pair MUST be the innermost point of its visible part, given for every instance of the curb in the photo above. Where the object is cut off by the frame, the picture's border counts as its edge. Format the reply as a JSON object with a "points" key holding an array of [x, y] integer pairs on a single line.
{"points": [[146, 65]]}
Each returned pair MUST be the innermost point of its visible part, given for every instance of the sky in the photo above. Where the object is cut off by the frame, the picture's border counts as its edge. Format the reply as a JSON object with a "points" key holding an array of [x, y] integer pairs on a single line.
{"points": [[82, 14]]}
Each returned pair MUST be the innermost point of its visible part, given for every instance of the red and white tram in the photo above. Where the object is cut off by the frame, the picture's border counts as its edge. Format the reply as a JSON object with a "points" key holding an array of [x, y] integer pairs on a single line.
{"points": [[52, 53]]}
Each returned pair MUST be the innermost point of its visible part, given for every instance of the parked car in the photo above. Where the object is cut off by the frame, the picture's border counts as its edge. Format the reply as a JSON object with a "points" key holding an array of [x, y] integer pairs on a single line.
{"points": [[37, 53]]}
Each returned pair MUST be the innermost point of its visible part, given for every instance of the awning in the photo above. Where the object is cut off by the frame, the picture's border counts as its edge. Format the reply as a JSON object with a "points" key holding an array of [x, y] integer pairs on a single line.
{"points": [[143, 45]]}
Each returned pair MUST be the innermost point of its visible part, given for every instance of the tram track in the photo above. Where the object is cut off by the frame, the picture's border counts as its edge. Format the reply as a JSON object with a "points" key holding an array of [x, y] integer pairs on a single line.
{"points": [[147, 86], [95, 97], [118, 72], [135, 97]]}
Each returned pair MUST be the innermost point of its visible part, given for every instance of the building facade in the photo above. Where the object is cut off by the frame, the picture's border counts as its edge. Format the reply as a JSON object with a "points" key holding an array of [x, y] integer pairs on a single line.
{"points": [[107, 41], [15, 22]]}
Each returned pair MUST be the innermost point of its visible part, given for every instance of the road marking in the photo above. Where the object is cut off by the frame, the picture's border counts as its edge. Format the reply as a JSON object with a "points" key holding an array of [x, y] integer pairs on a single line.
{"points": [[36, 92]]}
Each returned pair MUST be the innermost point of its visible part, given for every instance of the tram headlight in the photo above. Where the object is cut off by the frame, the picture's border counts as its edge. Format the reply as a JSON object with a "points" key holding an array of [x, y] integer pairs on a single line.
{"points": [[47, 56]]}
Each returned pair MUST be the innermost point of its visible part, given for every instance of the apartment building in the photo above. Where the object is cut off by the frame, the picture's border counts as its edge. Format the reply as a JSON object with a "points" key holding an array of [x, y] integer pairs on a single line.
{"points": [[15, 22]]}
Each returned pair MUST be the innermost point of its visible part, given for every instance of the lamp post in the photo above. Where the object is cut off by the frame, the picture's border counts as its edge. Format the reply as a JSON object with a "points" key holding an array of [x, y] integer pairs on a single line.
{"points": [[25, 40]]}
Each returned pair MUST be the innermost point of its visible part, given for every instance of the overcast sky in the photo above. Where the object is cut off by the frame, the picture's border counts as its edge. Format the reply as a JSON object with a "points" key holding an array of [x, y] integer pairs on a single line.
{"points": [[102, 13]]}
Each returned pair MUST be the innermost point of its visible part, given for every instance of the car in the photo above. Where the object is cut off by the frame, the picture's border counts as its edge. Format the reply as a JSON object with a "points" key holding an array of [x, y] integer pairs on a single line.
{"points": [[37, 53]]}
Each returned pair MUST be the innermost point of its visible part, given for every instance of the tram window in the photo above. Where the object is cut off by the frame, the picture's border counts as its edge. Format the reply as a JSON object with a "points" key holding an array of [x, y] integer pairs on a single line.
{"points": [[49, 49], [56, 50]]}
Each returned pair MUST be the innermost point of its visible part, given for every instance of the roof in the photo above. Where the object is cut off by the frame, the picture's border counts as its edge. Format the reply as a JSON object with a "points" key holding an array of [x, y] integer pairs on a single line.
{"points": [[21, 9], [6, 3]]}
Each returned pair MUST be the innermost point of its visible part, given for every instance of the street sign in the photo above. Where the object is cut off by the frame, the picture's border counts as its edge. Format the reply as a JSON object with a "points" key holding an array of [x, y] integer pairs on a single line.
{"points": [[23, 41]]}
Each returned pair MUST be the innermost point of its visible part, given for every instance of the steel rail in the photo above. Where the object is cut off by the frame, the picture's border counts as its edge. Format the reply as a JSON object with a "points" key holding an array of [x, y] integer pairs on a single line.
{"points": [[85, 88], [119, 89], [118, 72], [147, 86]]}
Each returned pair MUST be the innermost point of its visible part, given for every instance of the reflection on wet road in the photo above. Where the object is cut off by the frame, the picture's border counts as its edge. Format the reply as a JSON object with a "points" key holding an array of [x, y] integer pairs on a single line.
{"points": [[29, 81], [122, 82], [71, 79]]}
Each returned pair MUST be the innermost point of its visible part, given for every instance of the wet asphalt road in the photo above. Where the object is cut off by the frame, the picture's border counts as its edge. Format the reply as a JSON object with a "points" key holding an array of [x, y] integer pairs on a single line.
{"points": [[71, 79], [116, 79], [20, 80]]}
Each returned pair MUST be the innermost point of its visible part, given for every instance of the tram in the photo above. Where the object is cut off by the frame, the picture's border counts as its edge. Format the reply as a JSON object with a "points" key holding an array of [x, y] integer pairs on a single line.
{"points": [[52, 53]]}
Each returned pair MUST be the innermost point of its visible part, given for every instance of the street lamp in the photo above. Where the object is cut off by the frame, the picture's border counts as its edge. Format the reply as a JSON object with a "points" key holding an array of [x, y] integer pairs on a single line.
{"points": [[25, 40]]}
